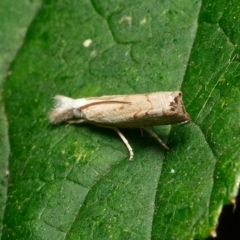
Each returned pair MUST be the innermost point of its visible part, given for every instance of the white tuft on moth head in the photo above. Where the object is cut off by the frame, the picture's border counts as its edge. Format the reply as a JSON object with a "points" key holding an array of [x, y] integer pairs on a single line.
{"points": [[64, 107]]}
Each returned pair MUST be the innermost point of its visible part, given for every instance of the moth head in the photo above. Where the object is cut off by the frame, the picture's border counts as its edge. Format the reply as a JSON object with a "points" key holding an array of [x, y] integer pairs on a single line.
{"points": [[65, 111], [77, 113]]}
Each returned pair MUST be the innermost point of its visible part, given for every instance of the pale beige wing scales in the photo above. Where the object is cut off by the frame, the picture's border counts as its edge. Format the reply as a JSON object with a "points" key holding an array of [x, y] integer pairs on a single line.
{"points": [[139, 110]]}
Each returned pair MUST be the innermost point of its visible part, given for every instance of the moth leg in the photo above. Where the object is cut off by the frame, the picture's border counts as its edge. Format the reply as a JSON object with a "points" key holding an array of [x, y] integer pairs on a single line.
{"points": [[125, 142], [75, 121], [156, 137]]}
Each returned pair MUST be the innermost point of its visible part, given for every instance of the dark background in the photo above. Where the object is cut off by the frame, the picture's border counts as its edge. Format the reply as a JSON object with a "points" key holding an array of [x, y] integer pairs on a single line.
{"points": [[229, 223]]}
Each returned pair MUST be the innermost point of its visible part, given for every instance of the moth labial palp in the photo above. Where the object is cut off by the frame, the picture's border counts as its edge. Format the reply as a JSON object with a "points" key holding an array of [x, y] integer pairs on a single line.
{"points": [[123, 111]]}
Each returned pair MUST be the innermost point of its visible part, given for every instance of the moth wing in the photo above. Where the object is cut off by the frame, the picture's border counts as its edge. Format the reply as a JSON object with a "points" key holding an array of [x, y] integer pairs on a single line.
{"points": [[138, 110]]}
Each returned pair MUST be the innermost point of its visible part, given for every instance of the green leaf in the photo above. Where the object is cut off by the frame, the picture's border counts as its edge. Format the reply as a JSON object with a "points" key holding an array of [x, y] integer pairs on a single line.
{"points": [[75, 181], [14, 21]]}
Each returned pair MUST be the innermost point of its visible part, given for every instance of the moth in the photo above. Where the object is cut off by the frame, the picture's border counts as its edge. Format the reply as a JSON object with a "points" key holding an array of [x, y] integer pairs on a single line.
{"points": [[123, 111]]}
